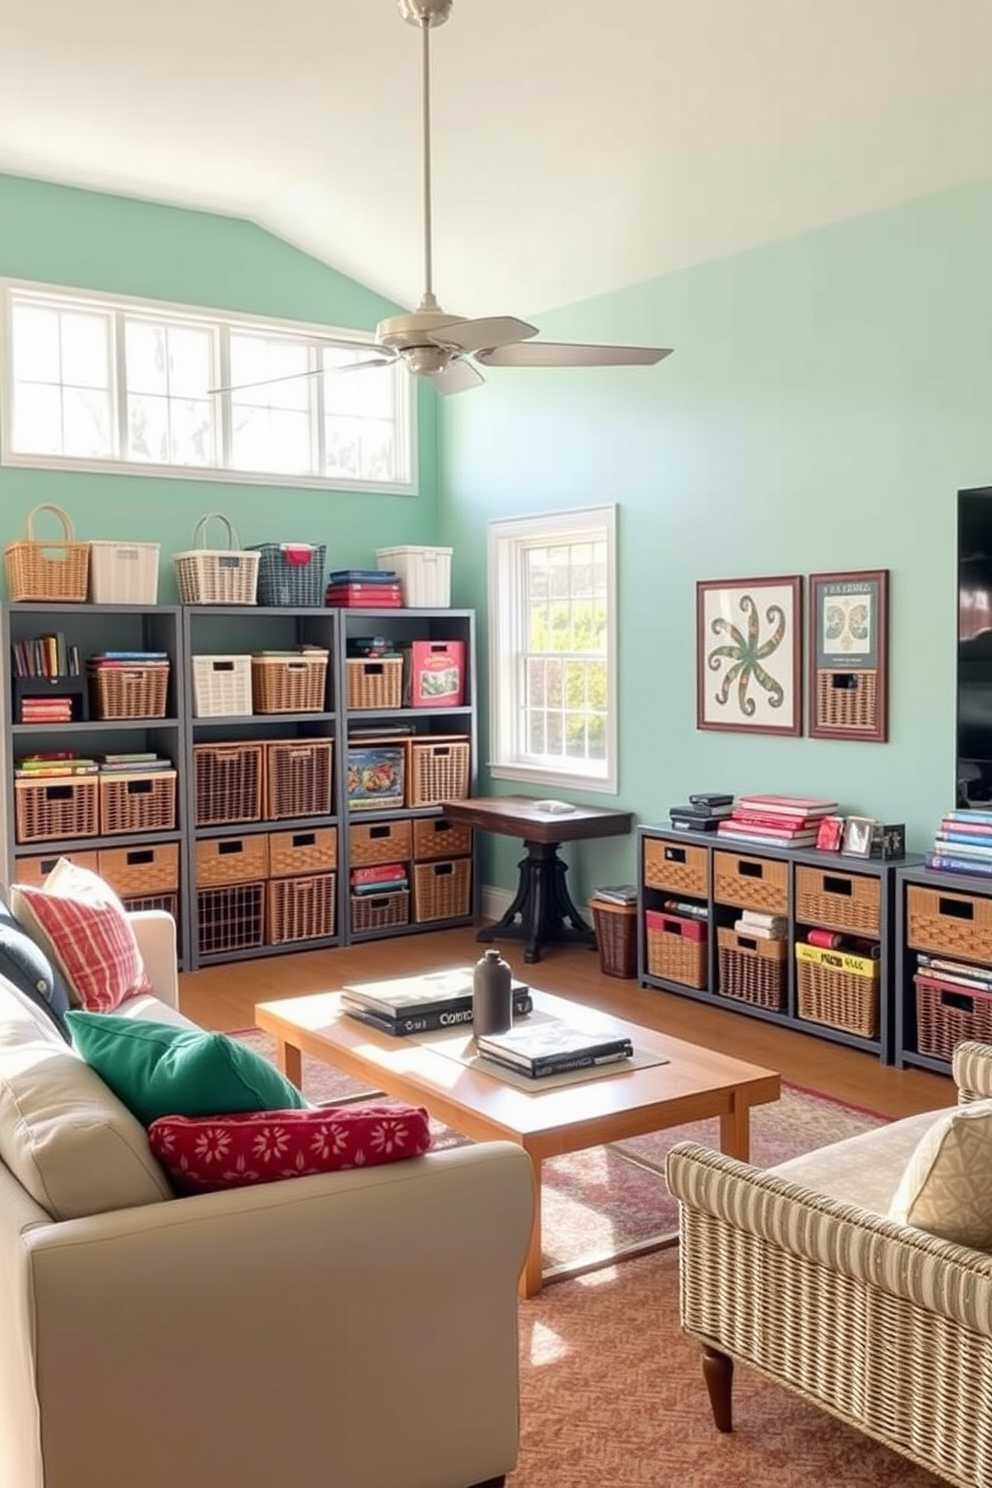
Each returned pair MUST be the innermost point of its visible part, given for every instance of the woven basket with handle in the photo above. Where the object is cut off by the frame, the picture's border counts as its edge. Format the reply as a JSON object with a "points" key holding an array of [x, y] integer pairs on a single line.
{"points": [[57, 570]]}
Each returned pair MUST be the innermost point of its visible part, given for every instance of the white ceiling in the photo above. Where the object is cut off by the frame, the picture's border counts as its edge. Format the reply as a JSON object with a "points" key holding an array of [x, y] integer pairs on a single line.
{"points": [[580, 145]]}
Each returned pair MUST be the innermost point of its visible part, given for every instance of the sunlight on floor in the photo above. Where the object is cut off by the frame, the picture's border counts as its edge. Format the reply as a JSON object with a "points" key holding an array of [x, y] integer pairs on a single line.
{"points": [[546, 1346]]}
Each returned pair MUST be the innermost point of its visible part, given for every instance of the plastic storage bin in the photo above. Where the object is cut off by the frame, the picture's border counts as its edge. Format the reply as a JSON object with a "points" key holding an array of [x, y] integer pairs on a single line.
{"points": [[290, 573], [425, 574]]}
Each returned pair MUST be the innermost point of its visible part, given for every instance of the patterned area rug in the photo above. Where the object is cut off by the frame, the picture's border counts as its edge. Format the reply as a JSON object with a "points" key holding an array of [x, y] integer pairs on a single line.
{"points": [[611, 1391], [596, 1201]]}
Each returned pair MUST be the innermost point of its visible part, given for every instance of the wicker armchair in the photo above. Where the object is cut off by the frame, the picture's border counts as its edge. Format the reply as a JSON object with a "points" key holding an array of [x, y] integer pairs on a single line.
{"points": [[797, 1272]]}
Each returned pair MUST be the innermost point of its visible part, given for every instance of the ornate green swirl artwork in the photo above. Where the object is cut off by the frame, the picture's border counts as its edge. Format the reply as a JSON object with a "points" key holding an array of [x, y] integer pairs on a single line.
{"points": [[748, 654]]}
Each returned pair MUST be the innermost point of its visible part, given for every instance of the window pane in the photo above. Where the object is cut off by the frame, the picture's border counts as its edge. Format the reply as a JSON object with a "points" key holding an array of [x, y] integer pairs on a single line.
{"points": [[85, 350], [86, 423], [367, 391], [189, 361], [148, 429], [279, 366], [146, 351], [35, 332], [191, 431], [37, 422], [270, 440], [342, 447]]}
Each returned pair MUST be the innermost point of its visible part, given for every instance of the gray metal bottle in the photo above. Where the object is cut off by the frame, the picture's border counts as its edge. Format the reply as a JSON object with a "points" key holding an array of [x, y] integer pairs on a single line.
{"points": [[492, 998]]}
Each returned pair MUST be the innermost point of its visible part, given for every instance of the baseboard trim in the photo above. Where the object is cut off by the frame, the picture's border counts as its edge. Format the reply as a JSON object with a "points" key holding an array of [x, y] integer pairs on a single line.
{"points": [[495, 902]]}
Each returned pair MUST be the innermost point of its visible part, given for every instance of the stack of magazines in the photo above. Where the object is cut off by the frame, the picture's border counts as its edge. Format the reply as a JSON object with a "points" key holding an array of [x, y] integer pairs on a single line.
{"points": [[552, 1047], [421, 1004]]}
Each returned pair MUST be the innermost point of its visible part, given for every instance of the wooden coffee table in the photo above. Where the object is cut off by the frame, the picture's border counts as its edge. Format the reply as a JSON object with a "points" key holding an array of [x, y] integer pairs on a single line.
{"points": [[695, 1083]]}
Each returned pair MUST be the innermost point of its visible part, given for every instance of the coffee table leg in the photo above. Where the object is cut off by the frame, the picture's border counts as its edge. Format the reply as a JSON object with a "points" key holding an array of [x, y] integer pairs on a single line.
{"points": [[531, 1277], [735, 1132], [290, 1060]]}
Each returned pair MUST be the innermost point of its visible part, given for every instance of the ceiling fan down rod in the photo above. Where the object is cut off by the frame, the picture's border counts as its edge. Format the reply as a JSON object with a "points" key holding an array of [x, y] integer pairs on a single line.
{"points": [[429, 302]]}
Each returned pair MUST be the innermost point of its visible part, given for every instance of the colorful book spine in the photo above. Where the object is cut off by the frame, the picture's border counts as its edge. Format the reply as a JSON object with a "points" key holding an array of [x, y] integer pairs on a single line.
{"points": [[956, 863]]}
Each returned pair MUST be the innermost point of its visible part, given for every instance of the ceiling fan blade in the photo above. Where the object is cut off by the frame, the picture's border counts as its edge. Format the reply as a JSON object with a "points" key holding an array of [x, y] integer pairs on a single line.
{"points": [[380, 359], [472, 335], [457, 377], [567, 354]]}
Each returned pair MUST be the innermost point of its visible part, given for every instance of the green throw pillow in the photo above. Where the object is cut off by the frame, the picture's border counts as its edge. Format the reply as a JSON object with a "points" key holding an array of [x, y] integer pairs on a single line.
{"points": [[158, 1069]]}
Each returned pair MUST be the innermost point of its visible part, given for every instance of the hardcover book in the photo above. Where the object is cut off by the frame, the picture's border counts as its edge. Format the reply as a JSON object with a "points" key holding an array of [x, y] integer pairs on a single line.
{"points": [[431, 991], [453, 1015], [787, 805], [551, 1044]]}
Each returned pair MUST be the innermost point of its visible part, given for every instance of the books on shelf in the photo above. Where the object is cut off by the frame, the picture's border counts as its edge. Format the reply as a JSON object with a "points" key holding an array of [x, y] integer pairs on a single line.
{"points": [[426, 992], [804, 806], [617, 893], [552, 1047]]}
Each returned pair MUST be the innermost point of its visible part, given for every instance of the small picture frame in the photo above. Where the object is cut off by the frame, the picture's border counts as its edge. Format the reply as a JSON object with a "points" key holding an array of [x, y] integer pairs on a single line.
{"points": [[829, 834], [857, 836], [848, 655]]}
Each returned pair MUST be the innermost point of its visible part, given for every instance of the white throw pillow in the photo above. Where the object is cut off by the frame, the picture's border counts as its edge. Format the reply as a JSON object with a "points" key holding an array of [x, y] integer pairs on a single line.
{"points": [[946, 1188]]}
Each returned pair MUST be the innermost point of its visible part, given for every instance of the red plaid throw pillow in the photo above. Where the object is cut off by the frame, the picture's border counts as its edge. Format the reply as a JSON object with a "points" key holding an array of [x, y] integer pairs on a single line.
{"points": [[83, 926], [204, 1153]]}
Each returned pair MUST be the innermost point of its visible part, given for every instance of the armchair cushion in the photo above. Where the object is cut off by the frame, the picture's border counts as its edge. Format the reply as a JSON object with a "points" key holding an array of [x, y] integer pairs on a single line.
{"points": [[946, 1187], [159, 1069], [80, 922], [23, 962], [215, 1152]]}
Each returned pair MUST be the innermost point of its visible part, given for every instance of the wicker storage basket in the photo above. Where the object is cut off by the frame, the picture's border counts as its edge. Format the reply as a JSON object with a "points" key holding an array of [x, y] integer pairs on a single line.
{"points": [[168, 903], [751, 882], [57, 570], [61, 806], [839, 901], [290, 573], [36, 870], [837, 998], [221, 860], [125, 691], [442, 891], [949, 924], [298, 778], [676, 948], [438, 769], [229, 781], [379, 842], [436, 837], [380, 911], [286, 683], [124, 573], [130, 802], [312, 850], [216, 576], [230, 917], [675, 866], [374, 682], [752, 970], [844, 706], [947, 1015], [141, 870], [300, 908], [222, 686], [616, 937]]}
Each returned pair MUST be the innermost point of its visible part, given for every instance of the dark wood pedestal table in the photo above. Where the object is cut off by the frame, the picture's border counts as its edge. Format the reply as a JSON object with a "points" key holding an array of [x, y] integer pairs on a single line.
{"points": [[542, 910]]}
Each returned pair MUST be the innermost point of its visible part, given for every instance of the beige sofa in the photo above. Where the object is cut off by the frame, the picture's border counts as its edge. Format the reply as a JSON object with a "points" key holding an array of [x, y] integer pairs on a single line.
{"points": [[356, 1329], [798, 1272]]}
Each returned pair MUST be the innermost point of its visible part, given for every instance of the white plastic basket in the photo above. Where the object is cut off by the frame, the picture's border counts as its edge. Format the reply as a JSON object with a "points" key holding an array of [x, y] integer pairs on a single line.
{"points": [[124, 573], [221, 686], [216, 576], [425, 574]]}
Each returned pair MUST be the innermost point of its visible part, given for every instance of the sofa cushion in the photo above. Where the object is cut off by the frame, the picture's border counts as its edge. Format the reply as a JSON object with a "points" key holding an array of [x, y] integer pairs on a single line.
{"points": [[81, 923], [946, 1188], [215, 1152], [159, 1069], [23, 962], [67, 1139]]}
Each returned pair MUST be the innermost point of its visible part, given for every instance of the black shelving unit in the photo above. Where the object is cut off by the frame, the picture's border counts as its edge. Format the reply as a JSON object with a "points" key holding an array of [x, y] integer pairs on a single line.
{"points": [[695, 868]]}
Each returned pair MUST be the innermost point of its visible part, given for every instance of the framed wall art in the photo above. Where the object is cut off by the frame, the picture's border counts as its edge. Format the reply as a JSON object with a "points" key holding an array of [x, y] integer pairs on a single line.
{"points": [[749, 655], [848, 655]]}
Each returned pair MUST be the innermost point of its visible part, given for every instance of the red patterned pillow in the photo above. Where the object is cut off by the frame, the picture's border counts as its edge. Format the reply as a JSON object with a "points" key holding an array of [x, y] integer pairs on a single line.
{"points": [[203, 1153], [83, 926]]}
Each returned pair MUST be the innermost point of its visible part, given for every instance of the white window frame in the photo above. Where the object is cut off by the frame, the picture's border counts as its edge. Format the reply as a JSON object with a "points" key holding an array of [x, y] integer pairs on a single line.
{"points": [[221, 323], [507, 541]]}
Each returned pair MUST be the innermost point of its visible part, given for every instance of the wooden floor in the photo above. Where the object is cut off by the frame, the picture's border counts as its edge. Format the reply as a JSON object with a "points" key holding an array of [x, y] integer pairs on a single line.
{"points": [[223, 997]]}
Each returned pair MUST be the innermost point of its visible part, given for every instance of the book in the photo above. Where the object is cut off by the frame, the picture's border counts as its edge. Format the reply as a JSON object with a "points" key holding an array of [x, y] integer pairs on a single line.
{"points": [[771, 839], [767, 828], [763, 918], [711, 799], [690, 824], [701, 813], [760, 932], [545, 1047], [427, 992], [560, 1066], [955, 968], [452, 1016], [958, 842], [787, 805], [947, 863]]}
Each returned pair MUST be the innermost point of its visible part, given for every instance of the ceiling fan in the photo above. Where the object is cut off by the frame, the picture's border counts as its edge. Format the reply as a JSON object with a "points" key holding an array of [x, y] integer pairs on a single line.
{"points": [[436, 345]]}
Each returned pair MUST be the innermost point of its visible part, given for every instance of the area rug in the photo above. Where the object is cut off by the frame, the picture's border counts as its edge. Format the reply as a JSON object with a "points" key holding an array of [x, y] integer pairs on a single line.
{"points": [[597, 1201]]}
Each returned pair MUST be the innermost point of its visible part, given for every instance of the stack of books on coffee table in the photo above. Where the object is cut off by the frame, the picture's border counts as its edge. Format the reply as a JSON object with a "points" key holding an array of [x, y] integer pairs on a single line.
{"points": [[421, 1004], [552, 1047]]}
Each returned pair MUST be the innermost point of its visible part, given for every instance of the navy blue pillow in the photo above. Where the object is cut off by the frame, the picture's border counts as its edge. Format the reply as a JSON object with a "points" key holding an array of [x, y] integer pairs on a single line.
{"points": [[23, 962]]}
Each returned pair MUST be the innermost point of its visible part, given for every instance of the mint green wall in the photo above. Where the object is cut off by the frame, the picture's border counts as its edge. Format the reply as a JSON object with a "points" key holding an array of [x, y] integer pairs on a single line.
{"points": [[828, 396], [94, 241]]}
